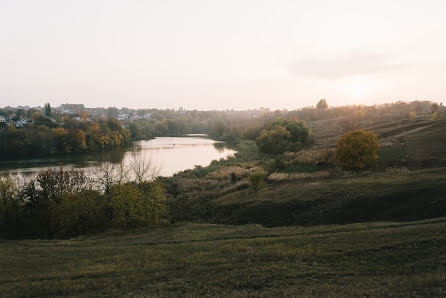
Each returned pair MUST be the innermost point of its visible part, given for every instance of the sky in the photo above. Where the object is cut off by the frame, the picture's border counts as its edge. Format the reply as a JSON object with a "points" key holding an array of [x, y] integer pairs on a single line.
{"points": [[231, 54]]}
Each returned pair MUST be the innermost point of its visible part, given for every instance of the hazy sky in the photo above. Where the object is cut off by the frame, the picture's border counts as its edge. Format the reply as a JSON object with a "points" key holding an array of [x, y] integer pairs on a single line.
{"points": [[208, 54]]}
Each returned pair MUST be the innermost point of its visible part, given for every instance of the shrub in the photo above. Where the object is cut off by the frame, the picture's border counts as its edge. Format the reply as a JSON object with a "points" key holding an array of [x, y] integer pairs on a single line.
{"points": [[45, 193], [79, 213], [274, 141], [11, 211], [284, 136], [357, 149], [135, 205], [256, 180], [279, 163]]}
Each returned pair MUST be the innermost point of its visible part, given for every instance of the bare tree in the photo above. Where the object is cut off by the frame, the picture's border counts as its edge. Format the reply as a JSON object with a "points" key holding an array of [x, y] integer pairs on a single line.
{"points": [[143, 168], [107, 174]]}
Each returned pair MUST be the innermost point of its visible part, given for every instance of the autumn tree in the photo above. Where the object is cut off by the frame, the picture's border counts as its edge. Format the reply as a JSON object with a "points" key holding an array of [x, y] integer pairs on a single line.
{"points": [[322, 104], [357, 149]]}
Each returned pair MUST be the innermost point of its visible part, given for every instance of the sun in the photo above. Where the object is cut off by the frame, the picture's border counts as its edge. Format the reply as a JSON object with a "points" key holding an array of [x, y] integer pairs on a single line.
{"points": [[355, 87]]}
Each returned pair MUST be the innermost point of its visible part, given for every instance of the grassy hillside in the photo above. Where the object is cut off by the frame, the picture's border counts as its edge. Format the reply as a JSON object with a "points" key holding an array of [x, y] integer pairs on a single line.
{"points": [[390, 196], [413, 192], [375, 259]]}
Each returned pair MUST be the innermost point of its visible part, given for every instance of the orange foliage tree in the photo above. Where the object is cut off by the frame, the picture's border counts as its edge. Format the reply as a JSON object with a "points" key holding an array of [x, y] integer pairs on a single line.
{"points": [[357, 149]]}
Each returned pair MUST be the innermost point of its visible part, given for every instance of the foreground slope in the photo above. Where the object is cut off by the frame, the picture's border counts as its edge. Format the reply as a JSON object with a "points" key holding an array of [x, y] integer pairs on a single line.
{"points": [[402, 259]]}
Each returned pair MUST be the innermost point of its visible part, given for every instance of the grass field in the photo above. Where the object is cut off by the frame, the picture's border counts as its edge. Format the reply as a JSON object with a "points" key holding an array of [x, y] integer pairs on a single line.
{"points": [[375, 259], [412, 195]]}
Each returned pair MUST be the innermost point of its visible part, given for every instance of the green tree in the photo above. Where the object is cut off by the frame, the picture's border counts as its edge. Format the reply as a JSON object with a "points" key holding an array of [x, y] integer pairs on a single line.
{"points": [[79, 213], [135, 205], [285, 135], [274, 141], [357, 149], [112, 112], [47, 110], [20, 113]]}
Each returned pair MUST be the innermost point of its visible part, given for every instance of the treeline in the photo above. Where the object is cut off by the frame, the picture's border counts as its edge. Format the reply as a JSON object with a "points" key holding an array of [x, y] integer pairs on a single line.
{"points": [[59, 203], [232, 125], [48, 137], [59, 133]]}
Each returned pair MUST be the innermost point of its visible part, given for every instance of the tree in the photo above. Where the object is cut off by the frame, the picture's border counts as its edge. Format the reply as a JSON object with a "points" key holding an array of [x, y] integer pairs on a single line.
{"points": [[135, 205], [47, 110], [434, 107], [218, 129], [36, 116], [274, 141], [357, 149], [20, 113], [322, 104], [285, 135], [143, 168], [112, 112]]}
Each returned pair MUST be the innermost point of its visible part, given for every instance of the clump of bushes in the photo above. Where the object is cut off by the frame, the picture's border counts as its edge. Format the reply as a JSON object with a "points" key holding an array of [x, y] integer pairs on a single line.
{"points": [[284, 136], [60, 203]]}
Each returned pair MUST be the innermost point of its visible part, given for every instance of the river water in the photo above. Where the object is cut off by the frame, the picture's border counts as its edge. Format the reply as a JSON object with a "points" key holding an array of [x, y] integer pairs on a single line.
{"points": [[170, 154]]}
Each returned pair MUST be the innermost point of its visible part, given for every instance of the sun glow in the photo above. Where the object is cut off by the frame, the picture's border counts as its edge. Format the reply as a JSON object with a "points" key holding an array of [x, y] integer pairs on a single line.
{"points": [[356, 87]]}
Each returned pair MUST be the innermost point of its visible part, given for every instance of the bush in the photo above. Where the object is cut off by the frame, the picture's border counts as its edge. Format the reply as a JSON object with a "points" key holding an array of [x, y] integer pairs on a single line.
{"points": [[357, 149], [256, 180], [274, 141], [136, 205], [61, 203], [11, 213], [284, 136], [45, 193], [79, 213]]}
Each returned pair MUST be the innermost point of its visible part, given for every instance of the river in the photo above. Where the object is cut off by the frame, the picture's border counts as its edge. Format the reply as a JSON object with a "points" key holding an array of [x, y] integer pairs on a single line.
{"points": [[170, 154]]}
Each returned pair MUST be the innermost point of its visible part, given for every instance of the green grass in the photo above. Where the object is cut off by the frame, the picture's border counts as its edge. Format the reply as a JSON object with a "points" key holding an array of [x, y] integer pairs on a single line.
{"points": [[387, 196], [375, 259], [423, 144]]}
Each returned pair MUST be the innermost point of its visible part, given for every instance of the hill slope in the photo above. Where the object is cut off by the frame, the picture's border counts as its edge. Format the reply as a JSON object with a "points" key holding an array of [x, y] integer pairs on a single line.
{"points": [[391, 259], [391, 196]]}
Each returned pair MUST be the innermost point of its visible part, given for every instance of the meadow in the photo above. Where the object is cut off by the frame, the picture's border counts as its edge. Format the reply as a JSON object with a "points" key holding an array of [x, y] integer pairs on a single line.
{"points": [[406, 259]]}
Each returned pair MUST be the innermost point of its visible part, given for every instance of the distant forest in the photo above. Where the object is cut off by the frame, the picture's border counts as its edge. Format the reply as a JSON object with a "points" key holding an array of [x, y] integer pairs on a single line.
{"points": [[72, 128]]}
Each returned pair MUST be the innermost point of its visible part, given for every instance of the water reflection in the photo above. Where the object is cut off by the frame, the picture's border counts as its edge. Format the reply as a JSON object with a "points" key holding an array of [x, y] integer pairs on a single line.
{"points": [[220, 147], [172, 154]]}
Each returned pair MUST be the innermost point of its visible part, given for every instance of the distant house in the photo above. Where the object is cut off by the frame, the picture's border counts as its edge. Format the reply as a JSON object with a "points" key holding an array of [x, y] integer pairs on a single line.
{"points": [[2, 119], [69, 112], [122, 117]]}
